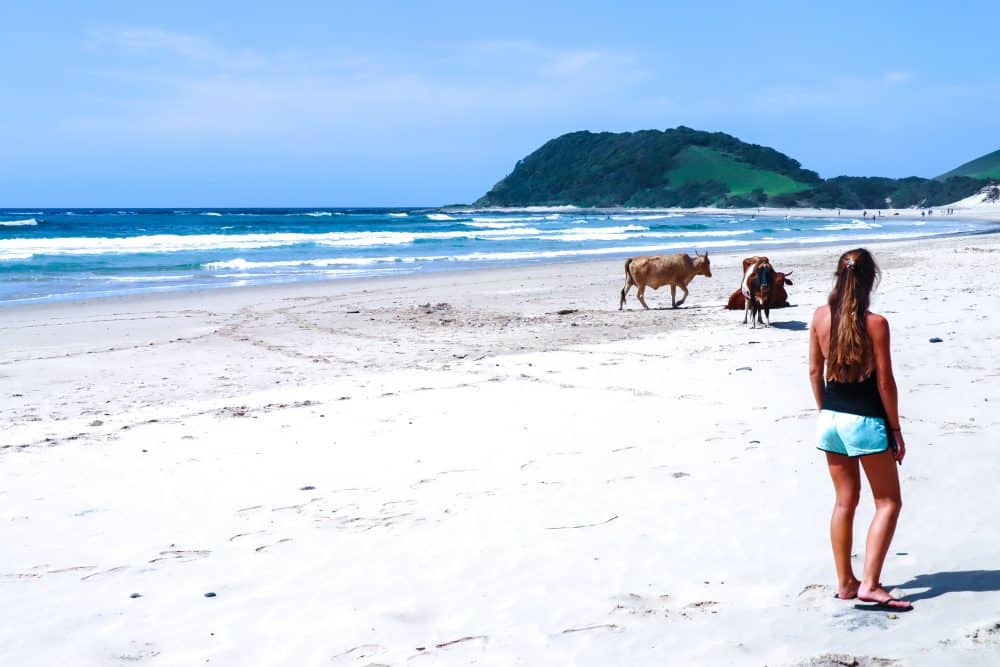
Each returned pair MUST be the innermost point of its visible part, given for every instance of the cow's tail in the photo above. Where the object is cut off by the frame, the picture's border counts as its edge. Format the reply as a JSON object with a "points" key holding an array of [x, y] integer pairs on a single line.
{"points": [[628, 283]]}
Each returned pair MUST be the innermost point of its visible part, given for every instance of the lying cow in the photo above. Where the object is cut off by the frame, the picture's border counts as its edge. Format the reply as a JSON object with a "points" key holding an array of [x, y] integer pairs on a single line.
{"points": [[758, 281], [674, 270], [778, 298]]}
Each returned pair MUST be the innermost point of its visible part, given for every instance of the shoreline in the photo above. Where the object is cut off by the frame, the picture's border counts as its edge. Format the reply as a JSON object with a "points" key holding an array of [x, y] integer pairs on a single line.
{"points": [[615, 256], [981, 214]]}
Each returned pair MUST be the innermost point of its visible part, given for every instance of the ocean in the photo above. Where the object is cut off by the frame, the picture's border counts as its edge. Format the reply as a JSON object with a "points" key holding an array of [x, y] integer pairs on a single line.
{"points": [[60, 254]]}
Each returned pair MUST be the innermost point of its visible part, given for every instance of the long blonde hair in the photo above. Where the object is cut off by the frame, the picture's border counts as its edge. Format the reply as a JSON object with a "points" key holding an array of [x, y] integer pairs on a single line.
{"points": [[851, 351]]}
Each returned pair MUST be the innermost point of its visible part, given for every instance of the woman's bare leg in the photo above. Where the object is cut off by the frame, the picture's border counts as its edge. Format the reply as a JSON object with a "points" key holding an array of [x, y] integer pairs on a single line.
{"points": [[884, 480], [847, 484]]}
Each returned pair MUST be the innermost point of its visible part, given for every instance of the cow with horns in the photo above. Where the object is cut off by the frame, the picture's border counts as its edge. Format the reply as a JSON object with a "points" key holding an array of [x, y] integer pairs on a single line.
{"points": [[674, 270], [759, 279]]}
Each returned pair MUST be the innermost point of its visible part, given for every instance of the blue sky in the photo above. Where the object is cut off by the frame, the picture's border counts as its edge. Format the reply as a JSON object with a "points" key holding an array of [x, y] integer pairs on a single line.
{"points": [[403, 103]]}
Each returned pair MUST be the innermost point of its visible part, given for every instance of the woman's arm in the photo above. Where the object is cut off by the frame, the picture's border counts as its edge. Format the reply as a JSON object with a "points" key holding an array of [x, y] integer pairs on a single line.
{"points": [[878, 330], [816, 362]]}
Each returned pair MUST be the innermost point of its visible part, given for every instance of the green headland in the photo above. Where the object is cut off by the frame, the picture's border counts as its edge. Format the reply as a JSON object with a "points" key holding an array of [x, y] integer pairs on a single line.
{"points": [[686, 168]]}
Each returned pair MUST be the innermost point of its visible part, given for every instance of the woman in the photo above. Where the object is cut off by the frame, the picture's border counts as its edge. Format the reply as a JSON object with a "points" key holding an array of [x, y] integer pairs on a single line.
{"points": [[858, 421]]}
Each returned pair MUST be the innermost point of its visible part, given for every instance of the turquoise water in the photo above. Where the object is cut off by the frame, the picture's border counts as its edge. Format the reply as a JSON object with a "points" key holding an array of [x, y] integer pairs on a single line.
{"points": [[48, 254]]}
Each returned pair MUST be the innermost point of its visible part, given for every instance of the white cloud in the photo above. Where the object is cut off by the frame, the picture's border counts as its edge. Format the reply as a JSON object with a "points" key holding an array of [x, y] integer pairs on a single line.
{"points": [[839, 94], [898, 76], [172, 85], [151, 39]]}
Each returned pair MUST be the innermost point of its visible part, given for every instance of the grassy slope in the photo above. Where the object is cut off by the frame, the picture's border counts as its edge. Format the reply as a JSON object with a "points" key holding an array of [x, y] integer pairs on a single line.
{"points": [[699, 164], [985, 167]]}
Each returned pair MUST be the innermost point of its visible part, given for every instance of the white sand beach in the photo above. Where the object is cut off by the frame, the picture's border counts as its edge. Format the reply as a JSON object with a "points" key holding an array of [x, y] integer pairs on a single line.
{"points": [[487, 467]]}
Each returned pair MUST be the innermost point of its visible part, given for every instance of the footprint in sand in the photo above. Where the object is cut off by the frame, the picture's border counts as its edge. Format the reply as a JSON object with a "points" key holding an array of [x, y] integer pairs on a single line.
{"points": [[641, 605], [139, 651], [19, 576], [842, 660], [104, 572], [986, 635], [634, 604], [453, 646], [73, 568], [815, 596], [240, 535], [607, 627], [268, 546], [358, 654], [182, 555]]}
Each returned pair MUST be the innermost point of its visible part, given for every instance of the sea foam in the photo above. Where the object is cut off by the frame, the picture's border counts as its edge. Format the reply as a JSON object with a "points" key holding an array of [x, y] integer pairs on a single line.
{"points": [[853, 224], [23, 248]]}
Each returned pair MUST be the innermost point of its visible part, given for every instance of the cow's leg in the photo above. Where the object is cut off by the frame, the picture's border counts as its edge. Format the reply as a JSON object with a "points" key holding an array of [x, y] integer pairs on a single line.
{"points": [[641, 295], [746, 310], [628, 286], [683, 298], [673, 296], [767, 315]]}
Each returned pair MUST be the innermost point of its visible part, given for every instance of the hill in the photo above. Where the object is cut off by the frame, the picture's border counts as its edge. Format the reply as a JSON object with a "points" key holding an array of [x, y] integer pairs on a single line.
{"points": [[985, 167], [677, 167], [685, 168]]}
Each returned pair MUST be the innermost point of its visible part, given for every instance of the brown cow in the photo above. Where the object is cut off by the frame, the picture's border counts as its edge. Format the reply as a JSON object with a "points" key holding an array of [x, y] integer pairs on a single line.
{"points": [[778, 297], [674, 270], [757, 283]]}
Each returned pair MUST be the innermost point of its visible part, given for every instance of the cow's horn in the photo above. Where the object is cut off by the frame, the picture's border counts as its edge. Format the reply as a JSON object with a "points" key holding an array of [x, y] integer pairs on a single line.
{"points": [[788, 273]]}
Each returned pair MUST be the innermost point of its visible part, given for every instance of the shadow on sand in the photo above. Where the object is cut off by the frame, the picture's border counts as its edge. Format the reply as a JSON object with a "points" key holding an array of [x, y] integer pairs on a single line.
{"points": [[639, 309], [793, 325], [940, 583]]}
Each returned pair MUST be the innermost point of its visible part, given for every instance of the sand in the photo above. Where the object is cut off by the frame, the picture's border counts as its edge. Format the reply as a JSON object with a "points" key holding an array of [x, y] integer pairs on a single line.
{"points": [[491, 467]]}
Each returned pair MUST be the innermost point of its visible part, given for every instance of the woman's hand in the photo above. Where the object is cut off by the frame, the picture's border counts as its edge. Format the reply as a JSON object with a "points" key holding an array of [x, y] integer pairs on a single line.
{"points": [[898, 447]]}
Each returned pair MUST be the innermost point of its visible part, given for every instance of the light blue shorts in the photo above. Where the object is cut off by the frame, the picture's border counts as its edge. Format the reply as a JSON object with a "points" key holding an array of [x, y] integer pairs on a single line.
{"points": [[851, 435]]}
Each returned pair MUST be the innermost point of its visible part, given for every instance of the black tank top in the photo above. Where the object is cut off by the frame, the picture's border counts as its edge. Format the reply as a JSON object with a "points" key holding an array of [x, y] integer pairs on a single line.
{"points": [[856, 398]]}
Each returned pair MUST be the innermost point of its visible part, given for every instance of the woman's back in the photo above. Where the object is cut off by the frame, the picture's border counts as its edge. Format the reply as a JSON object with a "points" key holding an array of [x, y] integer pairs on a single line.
{"points": [[822, 323]]}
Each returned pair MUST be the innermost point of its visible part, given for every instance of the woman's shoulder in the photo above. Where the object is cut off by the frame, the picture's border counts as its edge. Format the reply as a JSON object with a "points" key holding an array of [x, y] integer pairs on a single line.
{"points": [[876, 324], [823, 312], [875, 318]]}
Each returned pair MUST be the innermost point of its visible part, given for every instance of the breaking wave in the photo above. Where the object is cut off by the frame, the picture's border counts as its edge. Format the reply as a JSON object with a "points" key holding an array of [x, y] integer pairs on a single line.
{"points": [[853, 224]]}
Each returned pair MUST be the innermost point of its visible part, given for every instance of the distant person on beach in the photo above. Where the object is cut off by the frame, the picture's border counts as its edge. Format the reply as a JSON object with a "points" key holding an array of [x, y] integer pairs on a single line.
{"points": [[850, 369]]}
